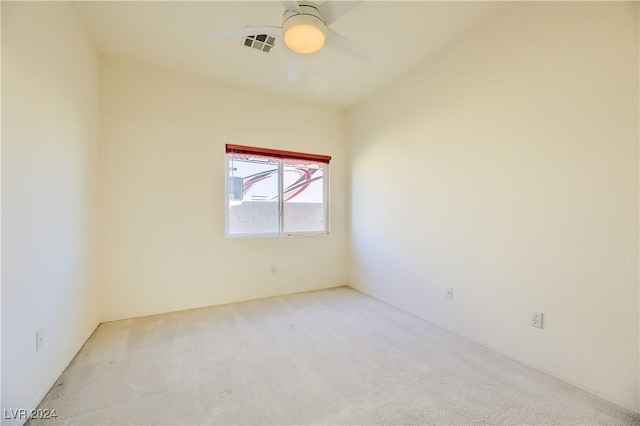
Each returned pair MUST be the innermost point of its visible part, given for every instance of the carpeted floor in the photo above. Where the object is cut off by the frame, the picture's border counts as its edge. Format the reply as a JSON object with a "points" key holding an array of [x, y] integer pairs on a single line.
{"points": [[330, 357]]}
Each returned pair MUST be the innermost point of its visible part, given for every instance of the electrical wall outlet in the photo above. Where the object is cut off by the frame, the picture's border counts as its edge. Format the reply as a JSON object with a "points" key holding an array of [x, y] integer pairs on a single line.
{"points": [[448, 293], [535, 319], [39, 339]]}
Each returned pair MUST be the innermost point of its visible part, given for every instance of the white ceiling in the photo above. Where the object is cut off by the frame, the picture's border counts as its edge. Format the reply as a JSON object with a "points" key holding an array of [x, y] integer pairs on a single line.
{"points": [[177, 35]]}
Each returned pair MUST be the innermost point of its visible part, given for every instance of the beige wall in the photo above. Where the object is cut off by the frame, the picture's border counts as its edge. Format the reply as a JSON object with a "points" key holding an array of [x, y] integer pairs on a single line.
{"points": [[507, 168], [49, 140], [163, 157]]}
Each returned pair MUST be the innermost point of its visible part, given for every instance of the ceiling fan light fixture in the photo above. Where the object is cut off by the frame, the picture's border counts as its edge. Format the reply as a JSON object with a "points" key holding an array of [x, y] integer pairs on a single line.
{"points": [[304, 38], [304, 33]]}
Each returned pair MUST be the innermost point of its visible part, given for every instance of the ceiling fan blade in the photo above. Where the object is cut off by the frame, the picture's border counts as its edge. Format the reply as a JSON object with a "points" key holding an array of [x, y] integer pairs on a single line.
{"points": [[338, 42], [332, 10], [295, 65], [291, 5], [246, 31]]}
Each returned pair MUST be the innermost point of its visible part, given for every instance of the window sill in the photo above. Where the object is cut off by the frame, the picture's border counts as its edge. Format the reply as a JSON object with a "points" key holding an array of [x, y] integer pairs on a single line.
{"points": [[283, 235]]}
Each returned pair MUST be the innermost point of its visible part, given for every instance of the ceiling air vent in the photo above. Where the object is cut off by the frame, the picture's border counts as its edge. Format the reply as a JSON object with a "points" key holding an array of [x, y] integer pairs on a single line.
{"points": [[262, 42]]}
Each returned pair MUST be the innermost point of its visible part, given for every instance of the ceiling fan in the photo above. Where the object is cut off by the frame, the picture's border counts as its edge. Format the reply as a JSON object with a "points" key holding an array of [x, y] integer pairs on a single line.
{"points": [[305, 30]]}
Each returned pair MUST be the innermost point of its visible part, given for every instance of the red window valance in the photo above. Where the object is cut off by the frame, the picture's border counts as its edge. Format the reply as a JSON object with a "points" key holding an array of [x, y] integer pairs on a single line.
{"points": [[277, 153]]}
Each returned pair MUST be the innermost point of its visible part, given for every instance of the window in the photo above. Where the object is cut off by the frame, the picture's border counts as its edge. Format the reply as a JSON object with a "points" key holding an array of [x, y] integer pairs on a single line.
{"points": [[272, 192]]}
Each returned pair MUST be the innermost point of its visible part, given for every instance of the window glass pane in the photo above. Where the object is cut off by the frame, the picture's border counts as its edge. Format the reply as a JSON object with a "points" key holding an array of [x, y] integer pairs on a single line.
{"points": [[304, 209], [253, 194]]}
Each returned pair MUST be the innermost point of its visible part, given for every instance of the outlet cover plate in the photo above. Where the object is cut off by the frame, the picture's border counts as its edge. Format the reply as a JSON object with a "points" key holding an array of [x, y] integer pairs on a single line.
{"points": [[535, 319], [448, 293], [39, 339]]}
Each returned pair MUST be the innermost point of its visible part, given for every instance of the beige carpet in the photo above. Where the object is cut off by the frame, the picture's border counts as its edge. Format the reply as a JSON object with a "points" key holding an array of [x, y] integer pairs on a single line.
{"points": [[328, 357]]}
